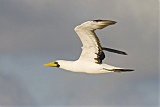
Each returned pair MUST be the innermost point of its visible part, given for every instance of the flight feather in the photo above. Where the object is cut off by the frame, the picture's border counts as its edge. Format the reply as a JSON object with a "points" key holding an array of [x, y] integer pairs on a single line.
{"points": [[92, 49]]}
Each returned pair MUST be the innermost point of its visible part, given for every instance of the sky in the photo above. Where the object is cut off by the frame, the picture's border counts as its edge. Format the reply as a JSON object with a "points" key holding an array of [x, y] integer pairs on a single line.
{"points": [[34, 32]]}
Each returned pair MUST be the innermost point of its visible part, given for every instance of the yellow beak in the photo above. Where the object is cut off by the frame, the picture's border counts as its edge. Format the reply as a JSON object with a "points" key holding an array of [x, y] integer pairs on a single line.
{"points": [[51, 64]]}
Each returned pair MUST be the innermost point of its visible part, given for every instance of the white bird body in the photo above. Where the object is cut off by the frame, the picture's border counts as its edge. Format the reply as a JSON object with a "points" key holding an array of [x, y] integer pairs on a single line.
{"points": [[90, 60], [85, 66]]}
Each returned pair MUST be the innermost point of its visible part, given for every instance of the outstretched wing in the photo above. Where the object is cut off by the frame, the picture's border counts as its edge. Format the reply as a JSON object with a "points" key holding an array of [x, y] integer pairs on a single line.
{"points": [[92, 49]]}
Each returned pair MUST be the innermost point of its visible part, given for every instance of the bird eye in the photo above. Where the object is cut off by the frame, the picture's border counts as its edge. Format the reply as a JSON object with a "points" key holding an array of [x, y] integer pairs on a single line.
{"points": [[57, 64]]}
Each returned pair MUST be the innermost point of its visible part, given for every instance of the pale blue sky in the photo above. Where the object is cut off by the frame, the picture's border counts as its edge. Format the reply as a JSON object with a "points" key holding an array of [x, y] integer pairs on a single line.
{"points": [[34, 32]]}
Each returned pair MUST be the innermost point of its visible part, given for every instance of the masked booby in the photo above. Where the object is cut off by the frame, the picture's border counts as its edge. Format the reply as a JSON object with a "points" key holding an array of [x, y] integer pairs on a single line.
{"points": [[90, 60]]}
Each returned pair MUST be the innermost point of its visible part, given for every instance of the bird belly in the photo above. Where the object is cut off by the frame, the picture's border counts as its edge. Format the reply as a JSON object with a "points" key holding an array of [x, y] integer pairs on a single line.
{"points": [[88, 67]]}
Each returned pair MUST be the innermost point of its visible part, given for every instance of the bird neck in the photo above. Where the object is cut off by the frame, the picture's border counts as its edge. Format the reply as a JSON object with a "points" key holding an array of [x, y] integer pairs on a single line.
{"points": [[67, 65]]}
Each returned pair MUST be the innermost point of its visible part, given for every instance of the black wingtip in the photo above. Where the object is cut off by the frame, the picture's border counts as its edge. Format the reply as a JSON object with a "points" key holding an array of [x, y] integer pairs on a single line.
{"points": [[114, 51], [113, 22], [122, 53], [110, 22], [126, 70], [98, 20], [121, 70]]}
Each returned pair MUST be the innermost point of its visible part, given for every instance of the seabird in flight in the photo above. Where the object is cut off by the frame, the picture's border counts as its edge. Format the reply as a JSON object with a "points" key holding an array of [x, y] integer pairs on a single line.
{"points": [[90, 60]]}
